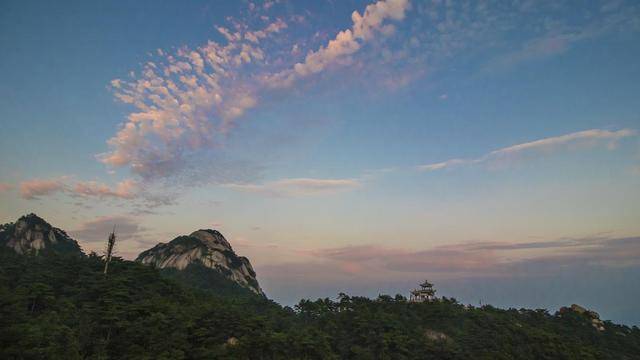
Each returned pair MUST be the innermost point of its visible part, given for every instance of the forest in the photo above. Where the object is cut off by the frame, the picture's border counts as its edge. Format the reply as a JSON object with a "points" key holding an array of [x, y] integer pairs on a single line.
{"points": [[57, 306]]}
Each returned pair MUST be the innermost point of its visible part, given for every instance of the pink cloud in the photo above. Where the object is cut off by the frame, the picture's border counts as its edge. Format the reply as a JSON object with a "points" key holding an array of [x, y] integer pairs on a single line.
{"points": [[125, 189], [455, 270], [33, 189], [188, 100], [357, 253], [453, 259], [446, 259], [5, 187], [368, 266]]}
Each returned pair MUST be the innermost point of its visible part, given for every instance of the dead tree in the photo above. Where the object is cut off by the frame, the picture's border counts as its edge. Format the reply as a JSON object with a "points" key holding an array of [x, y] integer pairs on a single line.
{"points": [[110, 244]]}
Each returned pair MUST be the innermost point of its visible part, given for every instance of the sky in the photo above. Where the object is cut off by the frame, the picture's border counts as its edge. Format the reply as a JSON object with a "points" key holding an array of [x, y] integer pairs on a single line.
{"points": [[492, 147]]}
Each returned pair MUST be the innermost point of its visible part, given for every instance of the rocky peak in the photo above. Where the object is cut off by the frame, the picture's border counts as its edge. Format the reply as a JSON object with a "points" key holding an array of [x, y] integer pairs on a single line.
{"points": [[31, 234], [213, 239], [206, 247], [590, 315]]}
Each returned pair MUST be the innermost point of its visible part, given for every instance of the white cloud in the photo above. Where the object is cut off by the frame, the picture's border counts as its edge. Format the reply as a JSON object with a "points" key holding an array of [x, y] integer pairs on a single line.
{"points": [[587, 136], [346, 43], [441, 165], [298, 187], [581, 138]]}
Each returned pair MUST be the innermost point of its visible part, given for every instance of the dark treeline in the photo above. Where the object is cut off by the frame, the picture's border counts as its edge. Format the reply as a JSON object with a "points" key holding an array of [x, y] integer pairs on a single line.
{"points": [[63, 307]]}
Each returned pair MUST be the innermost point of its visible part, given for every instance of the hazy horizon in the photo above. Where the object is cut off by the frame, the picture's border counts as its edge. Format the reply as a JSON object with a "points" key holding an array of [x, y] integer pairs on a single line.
{"points": [[355, 146]]}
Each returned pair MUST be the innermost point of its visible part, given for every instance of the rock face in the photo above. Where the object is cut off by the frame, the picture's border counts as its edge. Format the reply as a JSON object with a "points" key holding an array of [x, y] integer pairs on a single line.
{"points": [[206, 247], [32, 235], [436, 335], [591, 315]]}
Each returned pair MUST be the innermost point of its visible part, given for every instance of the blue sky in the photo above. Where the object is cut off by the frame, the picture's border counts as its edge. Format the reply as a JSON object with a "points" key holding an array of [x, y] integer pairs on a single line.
{"points": [[331, 141]]}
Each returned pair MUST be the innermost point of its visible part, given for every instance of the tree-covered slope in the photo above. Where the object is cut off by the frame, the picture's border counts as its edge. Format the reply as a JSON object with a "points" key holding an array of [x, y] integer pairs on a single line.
{"points": [[58, 306], [63, 307], [199, 276]]}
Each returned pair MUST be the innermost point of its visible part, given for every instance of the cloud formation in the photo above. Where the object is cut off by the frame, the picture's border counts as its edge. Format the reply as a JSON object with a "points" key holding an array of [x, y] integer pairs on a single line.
{"points": [[189, 100], [587, 138], [97, 230], [298, 187], [450, 259], [558, 37], [347, 42], [482, 259], [34, 189], [185, 101], [567, 271], [126, 189], [132, 237]]}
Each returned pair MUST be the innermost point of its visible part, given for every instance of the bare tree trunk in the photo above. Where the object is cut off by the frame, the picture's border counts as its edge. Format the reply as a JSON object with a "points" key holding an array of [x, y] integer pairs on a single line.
{"points": [[110, 243]]}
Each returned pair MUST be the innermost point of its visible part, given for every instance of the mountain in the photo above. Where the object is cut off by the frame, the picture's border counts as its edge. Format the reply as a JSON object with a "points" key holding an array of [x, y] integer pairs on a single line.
{"points": [[63, 307], [31, 234], [200, 252], [56, 306], [203, 259]]}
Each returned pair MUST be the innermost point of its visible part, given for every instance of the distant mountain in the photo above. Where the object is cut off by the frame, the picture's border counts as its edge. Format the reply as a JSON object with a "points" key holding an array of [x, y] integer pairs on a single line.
{"points": [[31, 234], [202, 256]]}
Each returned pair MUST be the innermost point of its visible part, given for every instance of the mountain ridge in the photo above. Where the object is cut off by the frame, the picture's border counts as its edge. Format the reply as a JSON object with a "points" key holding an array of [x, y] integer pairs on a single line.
{"points": [[200, 257]]}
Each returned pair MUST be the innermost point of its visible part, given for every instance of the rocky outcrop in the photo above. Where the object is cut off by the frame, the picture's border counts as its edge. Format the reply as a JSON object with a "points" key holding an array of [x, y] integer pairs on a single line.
{"points": [[32, 235], [206, 247], [591, 315], [436, 336]]}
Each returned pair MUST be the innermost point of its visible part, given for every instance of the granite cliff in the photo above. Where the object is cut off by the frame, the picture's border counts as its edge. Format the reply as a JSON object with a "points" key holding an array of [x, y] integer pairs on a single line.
{"points": [[203, 247], [31, 234]]}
